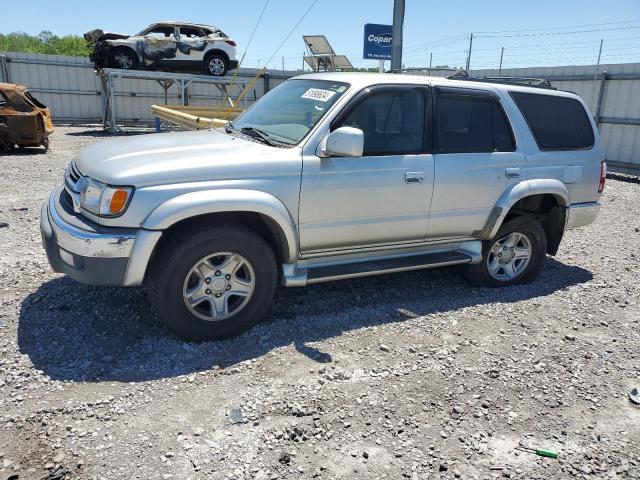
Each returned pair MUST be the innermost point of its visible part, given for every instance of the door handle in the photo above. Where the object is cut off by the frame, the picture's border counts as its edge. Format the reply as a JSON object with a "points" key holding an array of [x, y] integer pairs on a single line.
{"points": [[512, 173], [414, 177]]}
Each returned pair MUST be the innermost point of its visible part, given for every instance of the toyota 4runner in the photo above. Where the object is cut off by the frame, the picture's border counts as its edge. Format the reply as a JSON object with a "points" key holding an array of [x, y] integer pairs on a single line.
{"points": [[329, 176]]}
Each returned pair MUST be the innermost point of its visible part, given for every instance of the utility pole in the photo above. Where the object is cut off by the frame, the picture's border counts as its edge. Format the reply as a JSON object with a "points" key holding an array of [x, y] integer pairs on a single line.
{"points": [[430, 59], [501, 55], [396, 42], [469, 56]]}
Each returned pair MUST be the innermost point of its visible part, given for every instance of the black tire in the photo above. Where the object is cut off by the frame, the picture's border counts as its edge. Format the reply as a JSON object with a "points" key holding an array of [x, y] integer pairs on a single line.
{"points": [[215, 64], [123, 58], [479, 274], [178, 255]]}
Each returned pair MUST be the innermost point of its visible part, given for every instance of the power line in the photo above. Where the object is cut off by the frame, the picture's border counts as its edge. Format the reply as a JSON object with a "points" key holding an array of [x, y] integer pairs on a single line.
{"points": [[558, 33], [564, 27], [439, 43], [253, 32], [291, 31]]}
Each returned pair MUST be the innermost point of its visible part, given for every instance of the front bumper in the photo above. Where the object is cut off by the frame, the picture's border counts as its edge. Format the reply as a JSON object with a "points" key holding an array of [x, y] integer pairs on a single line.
{"points": [[581, 214], [86, 251]]}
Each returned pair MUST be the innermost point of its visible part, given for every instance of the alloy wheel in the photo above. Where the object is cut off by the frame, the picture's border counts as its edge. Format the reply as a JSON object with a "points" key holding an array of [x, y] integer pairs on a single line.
{"points": [[123, 60], [216, 66], [509, 256], [218, 286]]}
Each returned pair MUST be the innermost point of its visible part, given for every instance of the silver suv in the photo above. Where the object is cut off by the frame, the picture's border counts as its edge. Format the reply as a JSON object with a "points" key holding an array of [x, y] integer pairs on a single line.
{"points": [[329, 176]]}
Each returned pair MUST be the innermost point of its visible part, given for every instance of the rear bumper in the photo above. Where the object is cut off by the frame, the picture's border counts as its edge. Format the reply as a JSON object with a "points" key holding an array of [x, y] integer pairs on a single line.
{"points": [[233, 64], [83, 250], [581, 214]]}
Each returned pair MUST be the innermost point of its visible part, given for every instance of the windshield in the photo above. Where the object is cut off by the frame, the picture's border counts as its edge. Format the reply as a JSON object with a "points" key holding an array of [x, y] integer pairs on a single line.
{"points": [[289, 111]]}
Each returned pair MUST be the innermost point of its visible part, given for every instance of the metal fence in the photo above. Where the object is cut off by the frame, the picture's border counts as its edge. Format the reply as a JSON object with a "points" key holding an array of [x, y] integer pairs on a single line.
{"points": [[70, 87], [74, 93]]}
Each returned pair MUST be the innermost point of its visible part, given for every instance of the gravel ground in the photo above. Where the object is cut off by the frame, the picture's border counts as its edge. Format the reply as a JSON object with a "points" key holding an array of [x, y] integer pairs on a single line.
{"points": [[412, 375]]}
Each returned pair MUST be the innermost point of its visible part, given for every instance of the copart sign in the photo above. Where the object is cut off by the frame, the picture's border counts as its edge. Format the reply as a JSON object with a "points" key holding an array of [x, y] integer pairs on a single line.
{"points": [[377, 41]]}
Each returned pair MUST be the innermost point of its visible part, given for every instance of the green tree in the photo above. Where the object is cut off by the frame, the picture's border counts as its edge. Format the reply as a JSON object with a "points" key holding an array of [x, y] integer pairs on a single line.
{"points": [[45, 42]]}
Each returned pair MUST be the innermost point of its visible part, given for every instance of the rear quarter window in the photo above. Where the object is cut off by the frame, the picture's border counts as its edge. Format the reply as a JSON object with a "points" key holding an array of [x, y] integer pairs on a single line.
{"points": [[557, 123]]}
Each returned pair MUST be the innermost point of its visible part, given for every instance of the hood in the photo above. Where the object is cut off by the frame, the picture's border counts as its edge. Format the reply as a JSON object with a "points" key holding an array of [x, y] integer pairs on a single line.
{"points": [[96, 35], [166, 158]]}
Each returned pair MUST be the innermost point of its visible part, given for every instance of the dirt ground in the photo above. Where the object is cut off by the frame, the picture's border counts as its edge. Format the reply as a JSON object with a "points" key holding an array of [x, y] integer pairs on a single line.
{"points": [[412, 375]]}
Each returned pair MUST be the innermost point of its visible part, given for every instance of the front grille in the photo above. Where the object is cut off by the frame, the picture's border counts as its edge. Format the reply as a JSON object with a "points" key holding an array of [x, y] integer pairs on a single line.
{"points": [[74, 173], [72, 185], [71, 177], [66, 201]]}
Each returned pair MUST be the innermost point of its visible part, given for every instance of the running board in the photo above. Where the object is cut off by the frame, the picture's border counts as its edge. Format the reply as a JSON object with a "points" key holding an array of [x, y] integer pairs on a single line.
{"points": [[300, 276]]}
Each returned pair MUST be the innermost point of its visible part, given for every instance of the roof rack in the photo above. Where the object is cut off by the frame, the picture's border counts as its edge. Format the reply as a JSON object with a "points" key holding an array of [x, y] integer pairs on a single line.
{"points": [[528, 81]]}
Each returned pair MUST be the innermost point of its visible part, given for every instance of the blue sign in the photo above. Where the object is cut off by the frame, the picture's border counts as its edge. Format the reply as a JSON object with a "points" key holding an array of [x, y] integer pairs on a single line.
{"points": [[377, 41]]}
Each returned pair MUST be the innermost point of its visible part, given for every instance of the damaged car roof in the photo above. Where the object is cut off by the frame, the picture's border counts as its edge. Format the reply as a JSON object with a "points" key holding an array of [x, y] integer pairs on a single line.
{"points": [[189, 24]]}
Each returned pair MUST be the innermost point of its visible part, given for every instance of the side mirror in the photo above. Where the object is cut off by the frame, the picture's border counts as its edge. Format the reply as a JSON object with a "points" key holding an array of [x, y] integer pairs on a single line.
{"points": [[343, 142]]}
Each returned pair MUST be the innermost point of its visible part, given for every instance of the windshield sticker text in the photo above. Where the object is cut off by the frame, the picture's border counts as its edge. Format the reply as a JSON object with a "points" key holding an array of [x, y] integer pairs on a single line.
{"points": [[318, 94]]}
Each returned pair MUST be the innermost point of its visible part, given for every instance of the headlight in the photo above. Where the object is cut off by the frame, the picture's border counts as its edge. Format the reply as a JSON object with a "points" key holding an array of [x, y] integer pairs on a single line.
{"points": [[103, 200]]}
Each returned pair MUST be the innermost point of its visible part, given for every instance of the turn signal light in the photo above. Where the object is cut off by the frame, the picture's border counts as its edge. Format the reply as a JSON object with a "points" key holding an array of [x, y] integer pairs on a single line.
{"points": [[230, 42], [118, 201]]}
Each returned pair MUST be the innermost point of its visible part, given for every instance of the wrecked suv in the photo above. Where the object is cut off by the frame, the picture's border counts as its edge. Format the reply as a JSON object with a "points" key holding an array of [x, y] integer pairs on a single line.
{"points": [[329, 176], [166, 45]]}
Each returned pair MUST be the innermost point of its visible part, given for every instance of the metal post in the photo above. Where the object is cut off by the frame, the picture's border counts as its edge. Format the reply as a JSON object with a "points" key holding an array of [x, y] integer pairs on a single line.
{"points": [[600, 99], [265, 83], [283, 68], [469, 56], [595, 76], [396, 42], [380, 66], [430, 59], [501, 55], [4, 66], [112, 87], [303, 61]]}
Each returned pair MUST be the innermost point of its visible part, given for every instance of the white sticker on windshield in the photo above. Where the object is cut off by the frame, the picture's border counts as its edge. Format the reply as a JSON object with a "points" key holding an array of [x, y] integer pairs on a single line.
{"points": [[318, 94]]}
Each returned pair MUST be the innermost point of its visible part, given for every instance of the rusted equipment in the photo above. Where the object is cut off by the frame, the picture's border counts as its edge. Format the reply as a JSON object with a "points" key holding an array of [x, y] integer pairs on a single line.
{"points": [[24, 121]]}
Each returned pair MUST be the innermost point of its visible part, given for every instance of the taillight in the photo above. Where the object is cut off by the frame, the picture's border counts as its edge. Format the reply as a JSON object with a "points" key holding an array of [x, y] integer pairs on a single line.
{"points": [[230, 42], [603, 176]]}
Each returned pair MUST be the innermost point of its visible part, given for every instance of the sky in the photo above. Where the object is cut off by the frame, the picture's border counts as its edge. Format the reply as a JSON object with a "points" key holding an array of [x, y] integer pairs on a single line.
{"points": [[541, 32]]}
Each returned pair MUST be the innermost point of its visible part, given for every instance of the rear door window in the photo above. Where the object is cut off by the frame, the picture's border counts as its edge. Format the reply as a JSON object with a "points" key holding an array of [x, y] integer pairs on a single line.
{"points": [[191, 32], [557, 123], [470, 123]]}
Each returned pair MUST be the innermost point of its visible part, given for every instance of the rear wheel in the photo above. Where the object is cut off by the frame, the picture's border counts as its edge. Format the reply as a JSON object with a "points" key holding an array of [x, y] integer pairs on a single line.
{"points": [[212, 284], [514, 256], [215, 65], [123, 58]]}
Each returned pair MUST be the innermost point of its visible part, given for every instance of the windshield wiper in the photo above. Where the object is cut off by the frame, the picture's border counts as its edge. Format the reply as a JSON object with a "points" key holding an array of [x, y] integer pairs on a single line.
{"points": [[258, 134]]}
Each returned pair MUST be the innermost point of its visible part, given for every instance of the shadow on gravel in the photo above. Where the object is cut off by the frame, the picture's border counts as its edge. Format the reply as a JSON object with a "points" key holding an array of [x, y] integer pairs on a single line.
{"points": [[105, 134], [74, 332], [22, 152]]}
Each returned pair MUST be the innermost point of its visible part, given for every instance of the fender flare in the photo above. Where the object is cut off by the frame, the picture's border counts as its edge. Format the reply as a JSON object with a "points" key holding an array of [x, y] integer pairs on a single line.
{"points": [[216, 51], [519, 191], [204, 202]]}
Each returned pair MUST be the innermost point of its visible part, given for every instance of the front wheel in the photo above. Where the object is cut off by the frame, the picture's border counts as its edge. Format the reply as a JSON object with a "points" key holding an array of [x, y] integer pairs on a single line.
{"points": [[123, 58], [514, 256], [213, 283]]}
